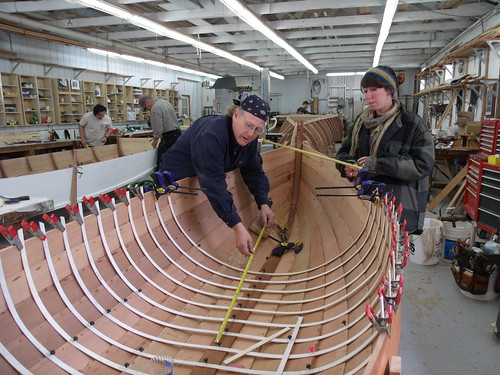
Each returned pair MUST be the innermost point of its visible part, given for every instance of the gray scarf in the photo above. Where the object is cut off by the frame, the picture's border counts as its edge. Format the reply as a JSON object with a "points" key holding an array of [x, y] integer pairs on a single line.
{"points": [[377, 126]]}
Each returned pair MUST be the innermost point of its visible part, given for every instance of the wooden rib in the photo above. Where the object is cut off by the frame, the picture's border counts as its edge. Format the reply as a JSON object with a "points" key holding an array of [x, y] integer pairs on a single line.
{"points": [[18, 366], [19, 322]]}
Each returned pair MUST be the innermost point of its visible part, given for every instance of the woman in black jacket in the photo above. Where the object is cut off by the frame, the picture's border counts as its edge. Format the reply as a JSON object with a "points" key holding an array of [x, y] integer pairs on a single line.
{"points": [[393, 143]]}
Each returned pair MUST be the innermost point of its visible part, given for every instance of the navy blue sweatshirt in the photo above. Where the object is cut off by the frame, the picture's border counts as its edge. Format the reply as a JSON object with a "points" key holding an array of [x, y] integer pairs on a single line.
{"points": [[207, 150]]}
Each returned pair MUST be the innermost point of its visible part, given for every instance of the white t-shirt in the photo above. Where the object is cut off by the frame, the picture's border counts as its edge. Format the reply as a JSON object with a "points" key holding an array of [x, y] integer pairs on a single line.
{"points": [[95, 128]]}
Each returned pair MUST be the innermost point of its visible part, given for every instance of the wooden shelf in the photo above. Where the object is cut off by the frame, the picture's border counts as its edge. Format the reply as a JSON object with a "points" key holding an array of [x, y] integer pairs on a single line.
{"points": [[11, 106]]}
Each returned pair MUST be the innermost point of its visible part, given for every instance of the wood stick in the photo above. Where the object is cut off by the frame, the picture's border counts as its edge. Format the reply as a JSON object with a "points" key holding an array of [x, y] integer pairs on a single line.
{"points": [[255, 346], [448, 188]]}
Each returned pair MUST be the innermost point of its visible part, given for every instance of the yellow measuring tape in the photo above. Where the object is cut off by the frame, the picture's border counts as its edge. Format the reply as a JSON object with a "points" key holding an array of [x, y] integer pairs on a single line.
{"points": [[313, 154], [240, 285]]}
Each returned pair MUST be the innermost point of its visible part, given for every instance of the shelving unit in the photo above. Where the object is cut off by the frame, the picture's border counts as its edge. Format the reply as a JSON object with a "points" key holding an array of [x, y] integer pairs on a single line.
{"points": [[29, 95], [132, 95], [94, 93], [68, 102], [173, 98], [45, 100], [34, 100], [116, 102], [11, 112], [468, 90]]}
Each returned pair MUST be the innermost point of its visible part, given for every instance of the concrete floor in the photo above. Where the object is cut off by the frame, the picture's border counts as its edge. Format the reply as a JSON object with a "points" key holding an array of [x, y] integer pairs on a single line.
{"points": [[443, 331]]}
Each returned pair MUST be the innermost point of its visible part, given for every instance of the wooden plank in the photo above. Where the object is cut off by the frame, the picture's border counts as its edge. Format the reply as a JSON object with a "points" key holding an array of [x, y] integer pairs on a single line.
{"points": [[447, 109], [256, 345], [456, 198], [296, 177], [395, 367], [448, 188]]}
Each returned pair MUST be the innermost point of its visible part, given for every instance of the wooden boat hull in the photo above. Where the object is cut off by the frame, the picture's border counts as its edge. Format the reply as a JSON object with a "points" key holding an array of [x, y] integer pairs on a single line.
{"points": [[157, 279]]}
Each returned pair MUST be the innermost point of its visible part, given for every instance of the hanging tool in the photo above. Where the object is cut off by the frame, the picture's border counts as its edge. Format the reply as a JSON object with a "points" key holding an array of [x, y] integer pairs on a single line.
{"points": [[12, 200]]}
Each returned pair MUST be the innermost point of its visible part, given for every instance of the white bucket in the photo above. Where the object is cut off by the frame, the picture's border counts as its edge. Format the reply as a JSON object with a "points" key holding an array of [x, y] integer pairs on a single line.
{"points": [[461, 231], [426, 248]]}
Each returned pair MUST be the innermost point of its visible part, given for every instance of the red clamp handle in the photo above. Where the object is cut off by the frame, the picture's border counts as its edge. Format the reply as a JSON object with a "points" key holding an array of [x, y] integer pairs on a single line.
{"points": [[369, 313], [389, 314], [400, 294]]}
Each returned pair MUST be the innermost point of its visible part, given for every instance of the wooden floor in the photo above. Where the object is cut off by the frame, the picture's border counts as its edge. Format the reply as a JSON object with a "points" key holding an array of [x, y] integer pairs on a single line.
{"points": [[156, 278]]}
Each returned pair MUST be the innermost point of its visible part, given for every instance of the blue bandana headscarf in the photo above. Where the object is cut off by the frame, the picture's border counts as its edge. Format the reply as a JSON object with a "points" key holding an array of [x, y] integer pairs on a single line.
{"points": [[251, 103]]}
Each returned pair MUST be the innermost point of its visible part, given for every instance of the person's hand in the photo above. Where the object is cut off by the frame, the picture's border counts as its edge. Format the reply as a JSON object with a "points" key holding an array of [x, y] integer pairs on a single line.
{"points": [[362, 160], [267, 216], [350, 172], [154, 142], [244, 242], [104, 139]]}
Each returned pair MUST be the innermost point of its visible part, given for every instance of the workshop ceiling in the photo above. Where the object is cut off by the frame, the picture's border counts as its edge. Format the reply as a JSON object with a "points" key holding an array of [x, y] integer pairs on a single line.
{"points": [[333, 35]]}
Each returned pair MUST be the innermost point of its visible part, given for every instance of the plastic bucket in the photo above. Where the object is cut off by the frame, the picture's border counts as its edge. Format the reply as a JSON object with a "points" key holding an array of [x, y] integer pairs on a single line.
{"points": [[426, 248], [461, 231]]}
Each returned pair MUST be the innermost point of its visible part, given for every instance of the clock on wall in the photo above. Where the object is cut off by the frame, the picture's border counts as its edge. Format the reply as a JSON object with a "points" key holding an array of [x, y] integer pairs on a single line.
{"points": [[316, 87]]}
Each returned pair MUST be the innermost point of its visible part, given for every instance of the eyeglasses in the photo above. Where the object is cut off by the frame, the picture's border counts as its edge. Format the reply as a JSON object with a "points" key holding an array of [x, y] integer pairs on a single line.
{"points": [[251, 127]]}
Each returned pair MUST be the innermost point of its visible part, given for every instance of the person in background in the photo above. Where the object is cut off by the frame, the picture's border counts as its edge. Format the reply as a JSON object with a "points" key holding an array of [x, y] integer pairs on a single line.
{"points": [[164, 123], [215, 145], [302, 110], [394, 144], [95, 127]]}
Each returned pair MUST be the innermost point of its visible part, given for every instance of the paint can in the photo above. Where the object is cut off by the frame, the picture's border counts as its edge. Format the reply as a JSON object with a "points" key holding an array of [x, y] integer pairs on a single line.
{"points": [[426, 248]]}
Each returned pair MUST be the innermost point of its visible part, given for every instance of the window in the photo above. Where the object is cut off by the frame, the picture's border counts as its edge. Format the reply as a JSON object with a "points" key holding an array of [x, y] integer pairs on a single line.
{"points": [[185, 106]]}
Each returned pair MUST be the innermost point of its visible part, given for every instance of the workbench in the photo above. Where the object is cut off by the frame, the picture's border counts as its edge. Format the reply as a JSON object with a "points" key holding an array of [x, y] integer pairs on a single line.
{"points": [[32, 148], [13, 214], [445, 157]]}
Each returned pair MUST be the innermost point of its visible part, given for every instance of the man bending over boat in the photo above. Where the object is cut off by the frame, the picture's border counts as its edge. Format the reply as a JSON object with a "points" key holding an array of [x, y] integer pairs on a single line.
{"points": [[215, 145]]}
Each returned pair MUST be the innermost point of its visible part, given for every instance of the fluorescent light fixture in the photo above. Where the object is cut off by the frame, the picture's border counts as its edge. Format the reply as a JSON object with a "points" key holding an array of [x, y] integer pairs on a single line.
{"points": [[276, 75], [151, 62], [342, 74], [389, 11], [249, 18], [160, 29]]}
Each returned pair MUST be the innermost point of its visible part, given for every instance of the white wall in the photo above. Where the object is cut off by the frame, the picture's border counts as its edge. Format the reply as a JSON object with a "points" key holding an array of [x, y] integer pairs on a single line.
{"points": [[77, 63]]}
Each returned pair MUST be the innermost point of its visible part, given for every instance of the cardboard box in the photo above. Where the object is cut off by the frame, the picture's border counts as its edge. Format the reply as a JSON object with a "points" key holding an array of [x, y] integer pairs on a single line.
{"points": [[468, 115], [473, 128]]}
